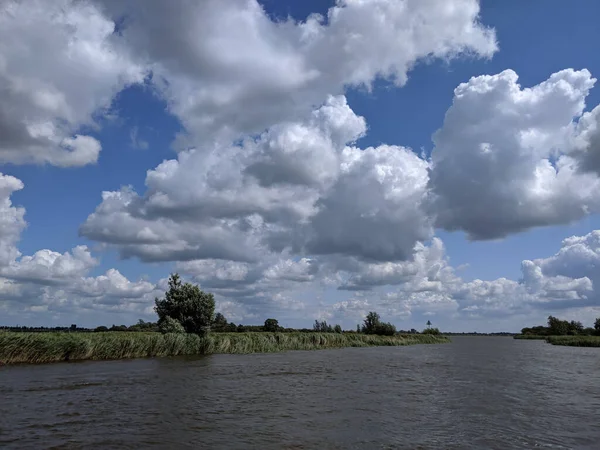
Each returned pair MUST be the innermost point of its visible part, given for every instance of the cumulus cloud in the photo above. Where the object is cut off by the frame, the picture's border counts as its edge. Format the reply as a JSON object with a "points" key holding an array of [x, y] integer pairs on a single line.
{"points": [[227, 69], [295, 187], [501, 162], [59, 65], [51, 281]]}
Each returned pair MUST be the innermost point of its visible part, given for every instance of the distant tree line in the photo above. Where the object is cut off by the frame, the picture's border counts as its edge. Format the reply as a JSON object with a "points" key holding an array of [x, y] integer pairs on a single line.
{"points": [[557, 327]]}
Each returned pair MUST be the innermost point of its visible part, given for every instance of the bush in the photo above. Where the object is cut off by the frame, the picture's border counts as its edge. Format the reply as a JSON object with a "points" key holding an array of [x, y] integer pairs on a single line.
{"points": [[385, 329], [431, 331], [188, 305], [170, 325], [374, 325]]}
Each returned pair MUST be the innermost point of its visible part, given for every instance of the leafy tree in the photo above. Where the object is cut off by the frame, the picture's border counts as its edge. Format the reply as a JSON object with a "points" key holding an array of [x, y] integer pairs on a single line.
{"points": [[322, 327], [271, 325], [170, 325], [575, 327], [188, 305], [358, 328], [429, 324], [386, 329], [557, 327], [101, 328], [597, 325], [371, 323], [220, 322], [337, 329]]}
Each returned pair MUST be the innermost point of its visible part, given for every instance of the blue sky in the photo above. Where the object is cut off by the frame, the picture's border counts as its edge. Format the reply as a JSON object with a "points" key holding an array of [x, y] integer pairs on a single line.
{"points": [[137, 122]]}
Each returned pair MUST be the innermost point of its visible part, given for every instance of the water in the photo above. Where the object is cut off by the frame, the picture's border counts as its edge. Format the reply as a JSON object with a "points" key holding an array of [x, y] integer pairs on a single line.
{"points": [[476, 393]]}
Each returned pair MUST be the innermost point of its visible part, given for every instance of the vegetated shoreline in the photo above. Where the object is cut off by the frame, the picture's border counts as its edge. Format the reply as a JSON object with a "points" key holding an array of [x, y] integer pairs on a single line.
{"points": [[38, 348], [570, 341]]}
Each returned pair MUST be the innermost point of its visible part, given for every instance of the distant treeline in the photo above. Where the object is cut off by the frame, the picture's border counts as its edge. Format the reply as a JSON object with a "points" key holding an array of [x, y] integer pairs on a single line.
{"points": [[475, 333], [557, 327], [221, 325]]}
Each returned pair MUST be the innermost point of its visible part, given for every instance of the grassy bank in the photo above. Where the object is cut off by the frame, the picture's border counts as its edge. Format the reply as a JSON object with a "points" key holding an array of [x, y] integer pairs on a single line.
{"points": [[529, 336], [575, 341], [53, 347]]}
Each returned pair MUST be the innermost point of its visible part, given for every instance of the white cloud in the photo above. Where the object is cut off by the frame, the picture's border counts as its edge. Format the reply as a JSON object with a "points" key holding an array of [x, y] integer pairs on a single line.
{"points": [[59, 65], [12, 220], [226, 69], [48, 281], [501, 161]]}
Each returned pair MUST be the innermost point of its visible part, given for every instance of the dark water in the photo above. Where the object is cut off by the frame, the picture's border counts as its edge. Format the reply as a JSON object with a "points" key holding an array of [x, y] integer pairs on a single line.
{"points": [[476, 393]]}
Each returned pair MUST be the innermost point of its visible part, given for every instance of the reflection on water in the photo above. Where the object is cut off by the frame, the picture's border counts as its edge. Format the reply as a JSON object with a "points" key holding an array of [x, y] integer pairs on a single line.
{"points": [[477, 393]]}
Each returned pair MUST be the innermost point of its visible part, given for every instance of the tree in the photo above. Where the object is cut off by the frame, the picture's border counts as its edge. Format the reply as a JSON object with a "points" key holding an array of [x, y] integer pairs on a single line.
{"points": [[170, 325], [188, 305], [337, 329], [386, 329], [220, 322], [557, 327], [101, 329], [374, 325], [371, 323], [271, 325], [358, 328], [429, 324], [597, 325], [575, 327]]}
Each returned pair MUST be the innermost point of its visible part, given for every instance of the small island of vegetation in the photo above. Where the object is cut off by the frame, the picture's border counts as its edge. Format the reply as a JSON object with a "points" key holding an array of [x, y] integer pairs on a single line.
{"points": [[563, 332], [187, 325]]}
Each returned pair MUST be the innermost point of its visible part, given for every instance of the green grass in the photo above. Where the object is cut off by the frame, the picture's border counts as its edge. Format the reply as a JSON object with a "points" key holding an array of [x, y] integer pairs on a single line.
{"points": [[53, 347], [529, 336], [575, 341]]}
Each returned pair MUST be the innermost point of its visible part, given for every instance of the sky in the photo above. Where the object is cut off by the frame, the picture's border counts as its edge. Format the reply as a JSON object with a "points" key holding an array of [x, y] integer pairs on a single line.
{"points": [[307, 160]]}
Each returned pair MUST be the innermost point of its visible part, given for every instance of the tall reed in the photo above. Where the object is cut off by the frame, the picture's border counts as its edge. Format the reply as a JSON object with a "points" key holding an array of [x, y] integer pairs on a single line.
{"points": [[575, 341], [52, 347]]}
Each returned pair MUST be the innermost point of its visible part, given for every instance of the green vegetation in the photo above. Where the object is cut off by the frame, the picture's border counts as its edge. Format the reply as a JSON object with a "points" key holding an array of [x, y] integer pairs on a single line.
{"points": [[530, 336], [575, 341], [557, 327], [187, 304], [53, 347], [433, 331], [374, 325], [563, 332]]}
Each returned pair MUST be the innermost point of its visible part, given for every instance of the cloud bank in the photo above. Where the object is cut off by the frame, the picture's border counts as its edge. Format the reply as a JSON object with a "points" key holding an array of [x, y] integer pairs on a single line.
{"points": [[270, 201]]}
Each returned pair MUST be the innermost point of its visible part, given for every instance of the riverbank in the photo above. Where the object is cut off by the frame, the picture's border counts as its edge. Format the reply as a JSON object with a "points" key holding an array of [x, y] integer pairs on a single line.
{"points": [[574, 341], [39, 348], [529, 336]]}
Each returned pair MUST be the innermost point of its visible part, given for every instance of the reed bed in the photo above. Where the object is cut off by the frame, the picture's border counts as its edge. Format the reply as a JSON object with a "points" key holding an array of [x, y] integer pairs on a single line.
{"points": [[530, 336], [38, 348], [575, 341]]}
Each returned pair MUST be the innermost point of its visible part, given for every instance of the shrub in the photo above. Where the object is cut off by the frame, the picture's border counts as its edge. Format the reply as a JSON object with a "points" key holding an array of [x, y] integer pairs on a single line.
{"points": [[170, 325], [431, 331]]}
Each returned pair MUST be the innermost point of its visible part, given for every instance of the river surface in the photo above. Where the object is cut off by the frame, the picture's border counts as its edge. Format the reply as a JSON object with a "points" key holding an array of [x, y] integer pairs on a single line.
{"points": [[476, 393]]}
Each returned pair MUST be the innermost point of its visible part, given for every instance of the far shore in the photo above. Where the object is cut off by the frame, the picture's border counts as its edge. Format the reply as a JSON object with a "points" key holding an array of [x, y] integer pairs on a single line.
{"points": [[570, 341]]}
